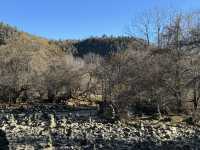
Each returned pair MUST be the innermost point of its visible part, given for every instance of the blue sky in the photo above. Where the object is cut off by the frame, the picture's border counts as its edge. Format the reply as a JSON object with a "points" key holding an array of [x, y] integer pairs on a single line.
{"points": [[77, 19]]}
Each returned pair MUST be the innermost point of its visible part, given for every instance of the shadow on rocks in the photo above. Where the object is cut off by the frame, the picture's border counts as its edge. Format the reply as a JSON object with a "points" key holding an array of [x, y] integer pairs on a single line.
{"points": [[4, 144]]}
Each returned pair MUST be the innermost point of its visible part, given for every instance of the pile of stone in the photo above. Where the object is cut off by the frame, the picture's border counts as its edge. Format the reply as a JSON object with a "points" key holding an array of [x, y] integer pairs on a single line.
{"points": [[49, 131]]}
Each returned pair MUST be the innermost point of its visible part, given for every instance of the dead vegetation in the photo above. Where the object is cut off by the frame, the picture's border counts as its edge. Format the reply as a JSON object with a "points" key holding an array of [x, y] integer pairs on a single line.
{"points": [[131, 75]]}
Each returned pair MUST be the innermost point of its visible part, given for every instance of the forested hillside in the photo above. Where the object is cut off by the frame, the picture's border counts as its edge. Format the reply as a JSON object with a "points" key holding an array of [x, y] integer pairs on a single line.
{"points": [[35, 68], [127, 73]]}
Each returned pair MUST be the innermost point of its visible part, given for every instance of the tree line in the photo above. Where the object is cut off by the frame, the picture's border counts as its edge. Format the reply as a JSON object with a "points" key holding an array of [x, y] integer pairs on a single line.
{"points": [[161, 77], [158, 73]]}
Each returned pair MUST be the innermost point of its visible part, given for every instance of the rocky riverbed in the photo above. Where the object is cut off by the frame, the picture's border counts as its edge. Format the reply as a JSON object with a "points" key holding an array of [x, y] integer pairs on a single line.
{"points": [[44, 128]]}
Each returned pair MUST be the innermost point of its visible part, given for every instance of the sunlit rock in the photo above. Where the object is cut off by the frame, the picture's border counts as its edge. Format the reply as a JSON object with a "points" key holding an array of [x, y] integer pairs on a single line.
{"points": [[52, 121]]}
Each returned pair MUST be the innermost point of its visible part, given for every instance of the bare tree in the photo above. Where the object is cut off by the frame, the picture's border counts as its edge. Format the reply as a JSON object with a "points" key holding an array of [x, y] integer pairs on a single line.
{"points": [[14, 74]]}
